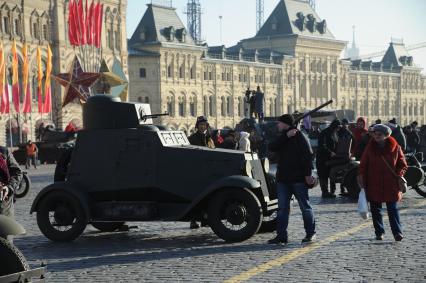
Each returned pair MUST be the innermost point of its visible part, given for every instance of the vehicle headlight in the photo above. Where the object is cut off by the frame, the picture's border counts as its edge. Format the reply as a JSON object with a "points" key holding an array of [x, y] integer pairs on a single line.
{"points": [[247, 168], [265, 164]]}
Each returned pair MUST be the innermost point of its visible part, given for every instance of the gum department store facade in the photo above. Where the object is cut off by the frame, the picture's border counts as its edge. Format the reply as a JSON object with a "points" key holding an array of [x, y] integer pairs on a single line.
{"points": [[45, 21], [294, 58]]}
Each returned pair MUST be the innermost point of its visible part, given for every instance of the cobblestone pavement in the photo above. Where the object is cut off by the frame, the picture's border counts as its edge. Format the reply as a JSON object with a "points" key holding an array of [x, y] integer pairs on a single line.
{"points": [[160, 252]]}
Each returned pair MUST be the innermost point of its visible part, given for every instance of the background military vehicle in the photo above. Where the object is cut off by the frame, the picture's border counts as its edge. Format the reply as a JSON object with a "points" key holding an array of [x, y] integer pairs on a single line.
{"points": [[52, 145], [122, 171]]}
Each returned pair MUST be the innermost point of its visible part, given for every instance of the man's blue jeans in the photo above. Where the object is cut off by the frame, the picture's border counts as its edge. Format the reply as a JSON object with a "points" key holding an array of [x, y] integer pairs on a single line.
{"points": [[300, 191], [393, 214]]}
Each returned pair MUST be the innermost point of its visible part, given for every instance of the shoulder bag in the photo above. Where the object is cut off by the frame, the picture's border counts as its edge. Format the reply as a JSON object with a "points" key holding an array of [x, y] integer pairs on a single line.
{"points": [[402, 183]]}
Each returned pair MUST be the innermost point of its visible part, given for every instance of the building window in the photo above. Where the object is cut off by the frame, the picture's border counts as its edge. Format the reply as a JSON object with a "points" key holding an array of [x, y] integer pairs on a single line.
{"points": [[223, 76], [140, 99], [6, 25], [169, 71], [240, 107], [181, 72], [117, 40], [223, 108], [142, 73], [45, 33], [35, 31], [205, 106], [170, 106], [146, 99], [192, 73], [17, 27], [228, 106], [110, 39], [211, 106], [181, 107], [210, 75], [228, 77], [192, 107], [205, 75]]}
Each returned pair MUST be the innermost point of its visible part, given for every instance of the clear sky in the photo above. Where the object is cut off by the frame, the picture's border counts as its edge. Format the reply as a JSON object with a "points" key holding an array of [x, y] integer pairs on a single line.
{"points": [[376, 21]]}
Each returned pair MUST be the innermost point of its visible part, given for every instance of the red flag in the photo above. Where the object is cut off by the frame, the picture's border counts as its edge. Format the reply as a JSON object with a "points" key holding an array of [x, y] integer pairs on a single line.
{"points": [[90, 20], [99, 26], [39, 81], [26, 108], [81, 24], [15, 79], [5, 105], [4, 93], [71, 24], [96, 23], [47, 107]]}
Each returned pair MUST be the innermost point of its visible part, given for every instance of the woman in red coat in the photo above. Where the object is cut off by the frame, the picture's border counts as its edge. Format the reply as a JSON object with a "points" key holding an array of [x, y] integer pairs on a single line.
{"points": [[380, 184]]}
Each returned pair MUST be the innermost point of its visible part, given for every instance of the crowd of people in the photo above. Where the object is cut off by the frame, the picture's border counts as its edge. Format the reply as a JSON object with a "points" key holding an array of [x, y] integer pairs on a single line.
{"points": [[379, 147]]}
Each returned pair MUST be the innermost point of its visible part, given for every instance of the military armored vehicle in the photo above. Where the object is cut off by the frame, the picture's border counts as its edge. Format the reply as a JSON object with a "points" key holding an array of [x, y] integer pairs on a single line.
{"points": [[121, 170]]}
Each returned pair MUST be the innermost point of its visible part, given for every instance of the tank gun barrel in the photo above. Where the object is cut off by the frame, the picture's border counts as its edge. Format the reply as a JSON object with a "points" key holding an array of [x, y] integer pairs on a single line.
{"points": [[152, 116], [297, 120]]}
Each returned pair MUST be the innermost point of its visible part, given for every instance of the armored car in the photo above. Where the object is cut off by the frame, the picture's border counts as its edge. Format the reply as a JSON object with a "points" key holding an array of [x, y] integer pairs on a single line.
{"points": [[122, 170]]}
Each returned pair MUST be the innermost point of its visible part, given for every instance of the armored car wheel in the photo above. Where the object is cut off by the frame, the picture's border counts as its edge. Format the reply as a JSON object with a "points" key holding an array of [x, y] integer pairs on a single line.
{"points": [[234, 214], [12, 260], [61, 217], [107, 226]]}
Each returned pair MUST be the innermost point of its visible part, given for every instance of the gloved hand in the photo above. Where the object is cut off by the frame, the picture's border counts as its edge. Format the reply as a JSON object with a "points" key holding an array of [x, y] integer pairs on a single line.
{"points": [[4, 194]]}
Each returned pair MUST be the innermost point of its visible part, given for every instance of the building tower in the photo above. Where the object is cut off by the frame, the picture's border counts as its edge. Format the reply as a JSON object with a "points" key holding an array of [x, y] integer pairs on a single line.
{"points": [[193, 11], [259, 14], [353, 52]]}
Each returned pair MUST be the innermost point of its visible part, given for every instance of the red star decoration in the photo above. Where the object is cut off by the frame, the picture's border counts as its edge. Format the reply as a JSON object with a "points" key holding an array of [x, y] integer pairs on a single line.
{"points": [[76, 82]]}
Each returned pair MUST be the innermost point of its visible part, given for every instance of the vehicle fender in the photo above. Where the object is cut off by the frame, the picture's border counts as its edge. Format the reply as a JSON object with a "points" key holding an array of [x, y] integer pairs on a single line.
{"points": [[9, 227], [65, 187], [235, 181]]}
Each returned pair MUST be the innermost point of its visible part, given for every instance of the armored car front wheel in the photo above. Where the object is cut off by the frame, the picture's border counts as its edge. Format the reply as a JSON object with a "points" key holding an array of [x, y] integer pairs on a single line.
{"points": [[234, 214], [60, 217]]}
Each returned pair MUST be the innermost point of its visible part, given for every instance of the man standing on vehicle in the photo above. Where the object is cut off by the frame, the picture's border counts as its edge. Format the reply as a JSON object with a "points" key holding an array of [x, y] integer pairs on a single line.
{"points": [[31, 150], [10, 178], [294, 171]]}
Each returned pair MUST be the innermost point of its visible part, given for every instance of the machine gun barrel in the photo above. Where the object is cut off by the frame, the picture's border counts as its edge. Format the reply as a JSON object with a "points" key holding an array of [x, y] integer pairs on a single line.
{"points": [[146, 117], [297, 120]]}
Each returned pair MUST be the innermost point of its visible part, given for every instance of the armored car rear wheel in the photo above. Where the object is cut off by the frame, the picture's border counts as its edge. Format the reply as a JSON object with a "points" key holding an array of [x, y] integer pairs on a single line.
{"points": [[12, 260], [234, 214], [107, 226], [61, 217]]}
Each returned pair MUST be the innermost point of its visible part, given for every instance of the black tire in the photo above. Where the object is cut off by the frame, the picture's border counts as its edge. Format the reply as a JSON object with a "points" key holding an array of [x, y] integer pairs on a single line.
{"points": [[24, 187], [420, 189], [107, 226], [61, 169], [229, 209], [351, 183], [64, 210], [269, 223], [12, 260]]}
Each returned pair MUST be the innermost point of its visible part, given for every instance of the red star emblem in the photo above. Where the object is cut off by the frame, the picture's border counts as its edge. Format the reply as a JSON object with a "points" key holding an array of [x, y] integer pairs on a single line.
{"points": [[76, 83]]}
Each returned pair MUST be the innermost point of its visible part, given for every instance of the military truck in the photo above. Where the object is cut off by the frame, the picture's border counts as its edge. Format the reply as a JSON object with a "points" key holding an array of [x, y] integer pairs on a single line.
{"points": [[121, 170]]}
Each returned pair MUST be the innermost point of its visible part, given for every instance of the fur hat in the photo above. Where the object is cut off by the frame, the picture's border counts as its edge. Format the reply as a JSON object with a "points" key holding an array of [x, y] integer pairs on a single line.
{"points": [[383, 129], [287, 119]]}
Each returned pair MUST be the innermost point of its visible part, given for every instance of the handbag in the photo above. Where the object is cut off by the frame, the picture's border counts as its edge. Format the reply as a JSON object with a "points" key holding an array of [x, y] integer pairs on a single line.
{"points": [[402, 183], [363, 205]]}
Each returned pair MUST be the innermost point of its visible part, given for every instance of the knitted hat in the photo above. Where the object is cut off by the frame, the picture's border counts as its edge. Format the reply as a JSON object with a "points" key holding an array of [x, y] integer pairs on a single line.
{"points": [[345, 121], [287, 119], [383, 129]]}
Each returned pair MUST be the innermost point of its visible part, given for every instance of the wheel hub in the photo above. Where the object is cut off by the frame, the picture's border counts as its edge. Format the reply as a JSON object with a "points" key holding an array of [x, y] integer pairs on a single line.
{"points": [[236, 214], [63, 216]]}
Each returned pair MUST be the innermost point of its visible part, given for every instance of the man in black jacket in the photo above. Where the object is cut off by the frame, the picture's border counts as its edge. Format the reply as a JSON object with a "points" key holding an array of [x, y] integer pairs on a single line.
{"points": [[293, 171], [327, 142], [10, 178]]}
